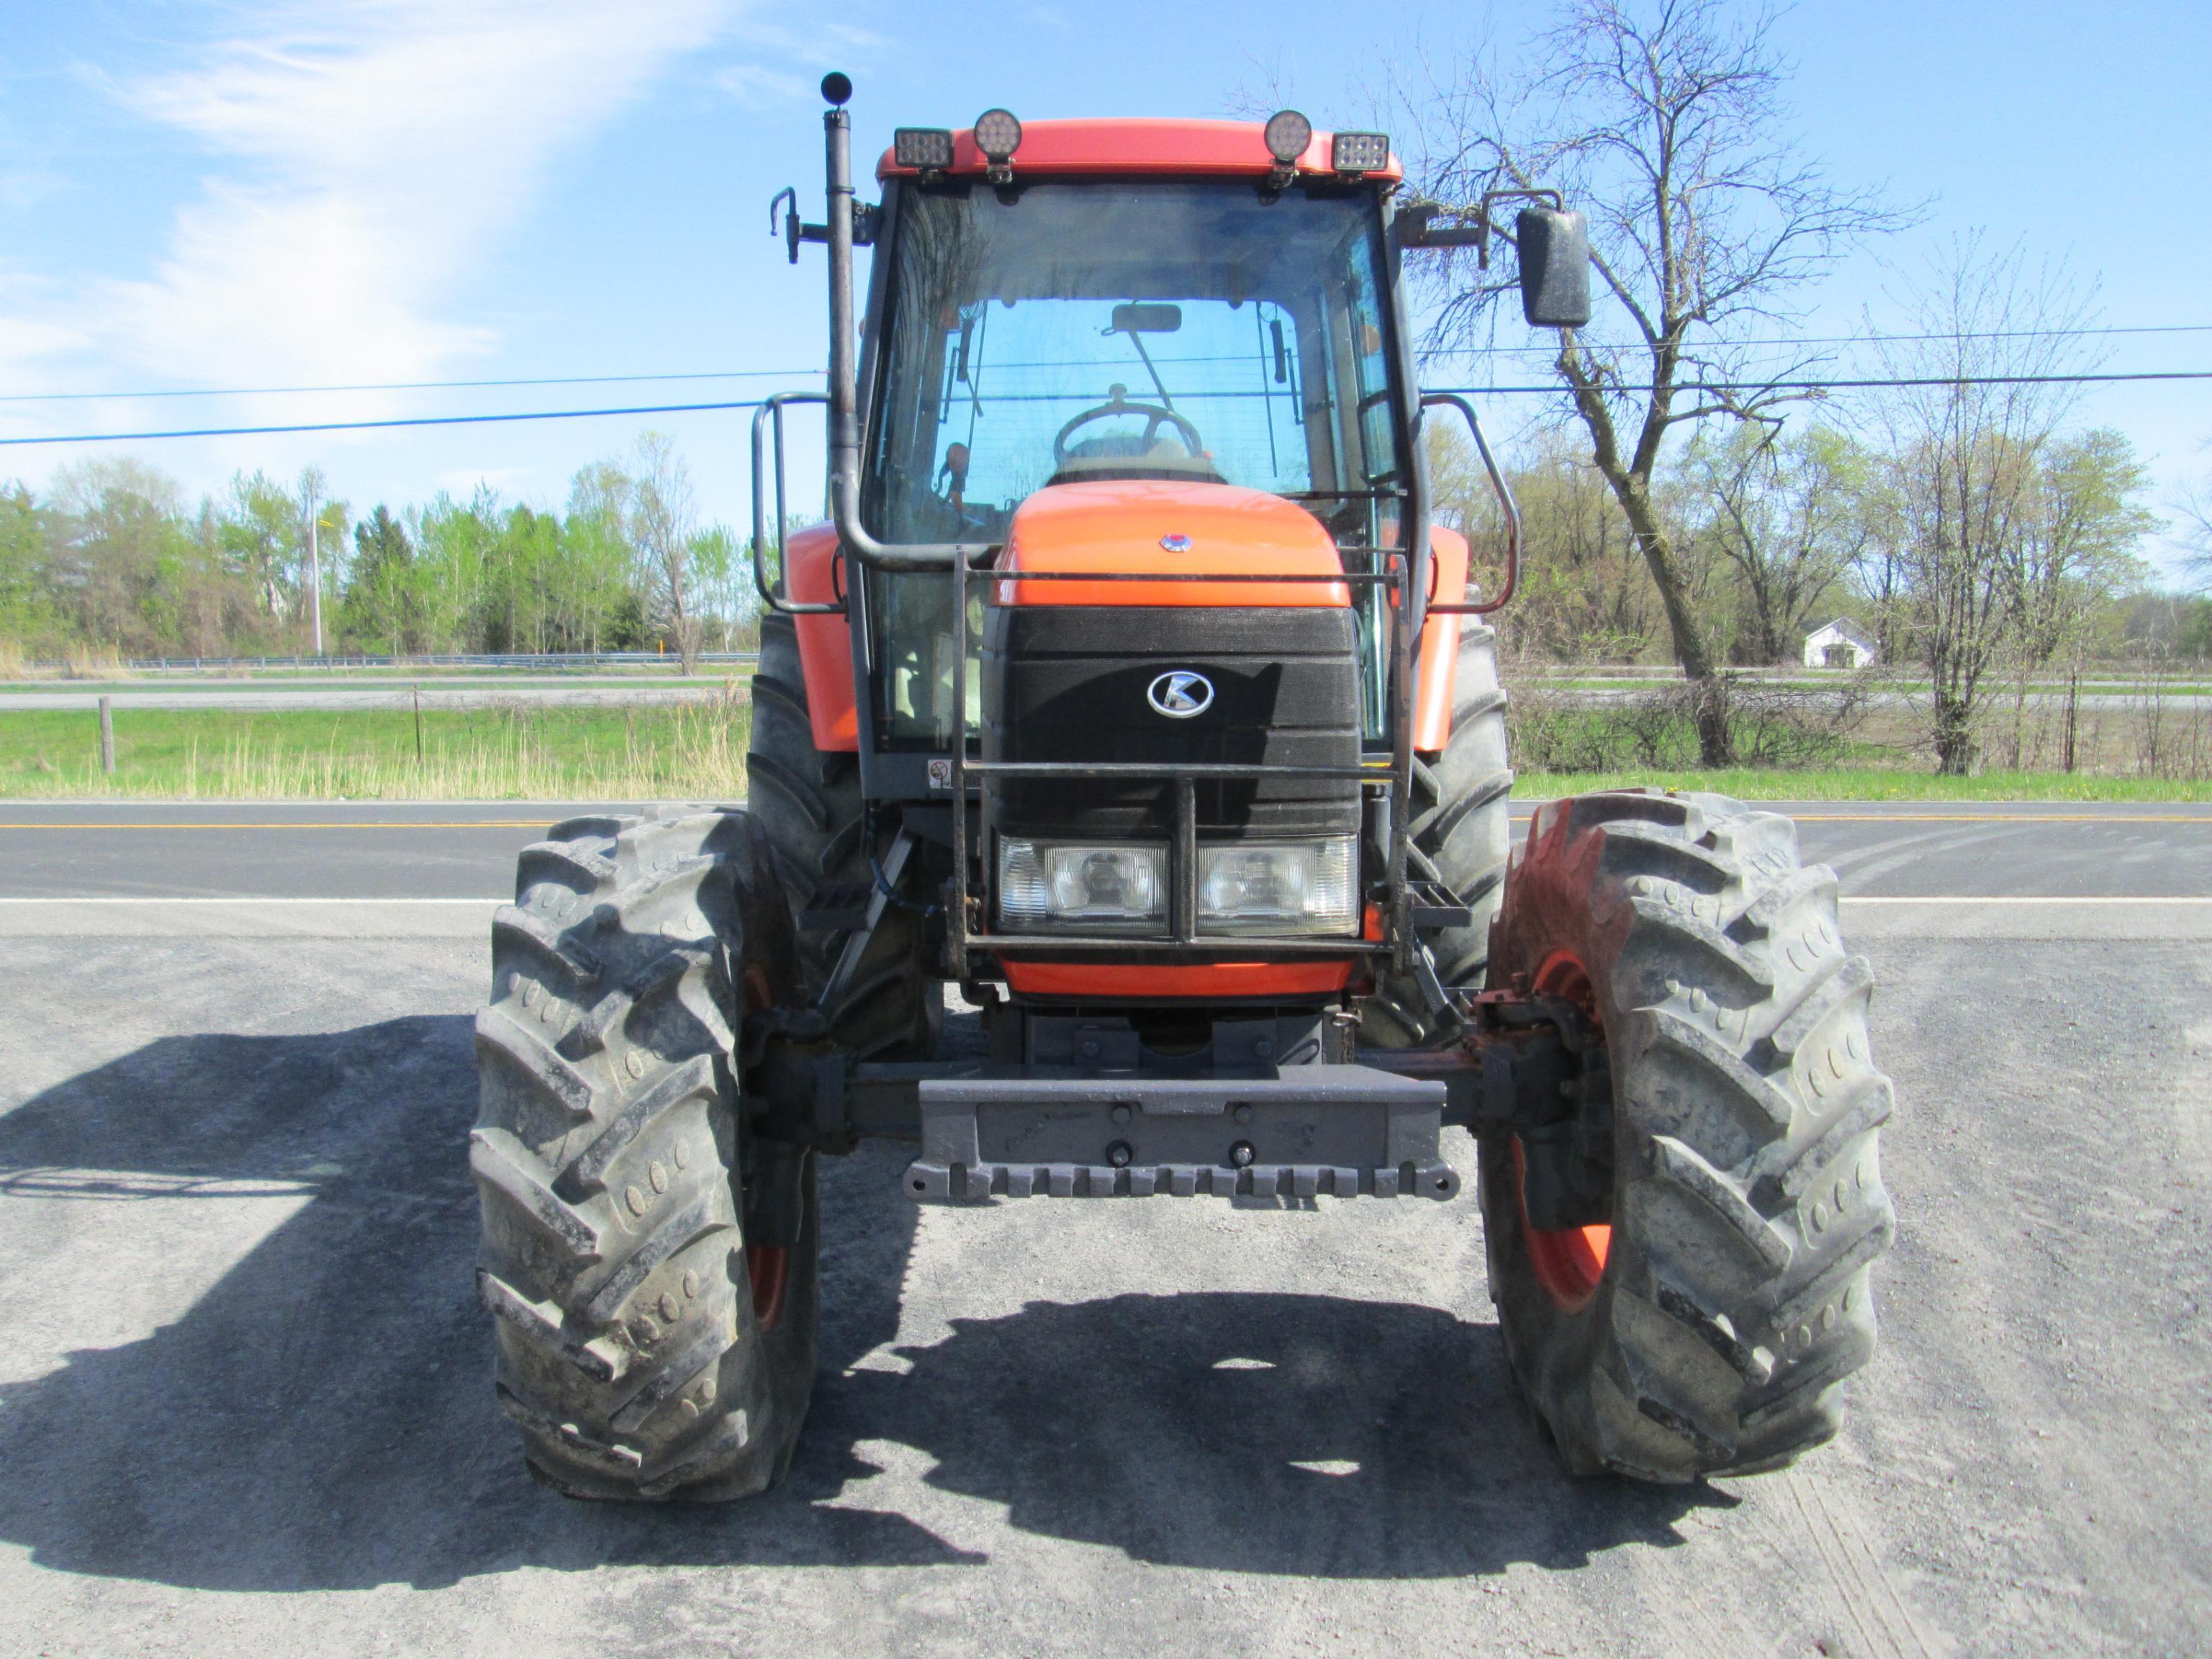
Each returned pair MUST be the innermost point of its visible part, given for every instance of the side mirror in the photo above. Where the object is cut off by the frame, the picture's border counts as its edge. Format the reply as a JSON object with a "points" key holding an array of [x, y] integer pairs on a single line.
{"points": [[1555, 289]]}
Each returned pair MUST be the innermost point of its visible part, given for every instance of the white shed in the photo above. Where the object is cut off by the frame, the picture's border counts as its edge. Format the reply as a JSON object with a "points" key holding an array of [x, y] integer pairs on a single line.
{"points": [[1840, 645]]}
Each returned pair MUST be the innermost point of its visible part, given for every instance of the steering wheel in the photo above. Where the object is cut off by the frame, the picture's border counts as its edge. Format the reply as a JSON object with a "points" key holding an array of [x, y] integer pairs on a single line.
{"points": [[1117, 404]]}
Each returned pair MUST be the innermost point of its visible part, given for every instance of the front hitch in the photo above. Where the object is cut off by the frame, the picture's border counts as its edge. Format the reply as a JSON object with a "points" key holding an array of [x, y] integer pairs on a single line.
{"points": [[1534, 1068]]}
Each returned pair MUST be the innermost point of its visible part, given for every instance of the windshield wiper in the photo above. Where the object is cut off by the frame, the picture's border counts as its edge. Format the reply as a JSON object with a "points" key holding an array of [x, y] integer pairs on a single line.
{"points": [[1159, 385]]}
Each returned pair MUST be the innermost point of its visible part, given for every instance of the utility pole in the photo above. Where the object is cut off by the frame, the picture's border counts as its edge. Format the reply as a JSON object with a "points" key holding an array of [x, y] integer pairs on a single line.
{"points": [[315, 559]]}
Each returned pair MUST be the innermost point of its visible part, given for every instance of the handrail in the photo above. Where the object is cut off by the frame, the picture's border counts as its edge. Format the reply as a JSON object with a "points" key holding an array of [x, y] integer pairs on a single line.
{"points": [[1512, 510], [769, 416]]}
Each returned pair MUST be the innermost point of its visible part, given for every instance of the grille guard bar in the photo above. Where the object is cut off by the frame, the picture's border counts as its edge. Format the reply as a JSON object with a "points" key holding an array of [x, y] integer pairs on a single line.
{"points": [[967, 932]]}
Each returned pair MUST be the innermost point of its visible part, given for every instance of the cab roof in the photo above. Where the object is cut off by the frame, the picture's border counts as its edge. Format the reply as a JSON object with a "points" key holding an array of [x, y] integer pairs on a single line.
{"points": [[1166, 147]]}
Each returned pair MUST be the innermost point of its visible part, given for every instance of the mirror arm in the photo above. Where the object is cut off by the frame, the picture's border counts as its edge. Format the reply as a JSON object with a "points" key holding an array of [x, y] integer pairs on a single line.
{"points": [[1423, 231]]}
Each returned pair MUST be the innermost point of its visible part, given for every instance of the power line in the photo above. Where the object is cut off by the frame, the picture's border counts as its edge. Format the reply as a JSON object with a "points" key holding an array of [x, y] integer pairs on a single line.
{"points": [[1753, 388], [1868, 339], [402, 386], [366, 426], [793, 373], [1757, 386]]}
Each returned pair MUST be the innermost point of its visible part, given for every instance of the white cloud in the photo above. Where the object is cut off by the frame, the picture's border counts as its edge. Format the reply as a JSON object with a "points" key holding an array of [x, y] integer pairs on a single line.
{"points": [[799, 58], [363, 153]]}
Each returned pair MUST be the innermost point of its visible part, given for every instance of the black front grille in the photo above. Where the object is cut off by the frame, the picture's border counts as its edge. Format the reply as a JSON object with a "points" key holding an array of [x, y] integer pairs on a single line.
{"points": [[1068, 685]]}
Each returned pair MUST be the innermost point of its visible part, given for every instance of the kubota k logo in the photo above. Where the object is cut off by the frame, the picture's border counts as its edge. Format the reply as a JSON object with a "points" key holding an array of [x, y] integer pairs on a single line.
{"points": [[1179, 694]]}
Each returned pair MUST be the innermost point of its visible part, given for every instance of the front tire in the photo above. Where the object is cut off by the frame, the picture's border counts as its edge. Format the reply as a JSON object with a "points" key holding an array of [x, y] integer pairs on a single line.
{"points": [[650, 1265], [810, 802], [1707, 1325], [1462, 834]]}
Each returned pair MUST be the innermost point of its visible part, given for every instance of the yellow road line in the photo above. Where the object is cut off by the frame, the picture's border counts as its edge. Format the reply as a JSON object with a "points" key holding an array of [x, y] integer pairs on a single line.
{"points": [[361, 823], [230, 898], [2030, 898], [1986, 817], [2002, 818]]}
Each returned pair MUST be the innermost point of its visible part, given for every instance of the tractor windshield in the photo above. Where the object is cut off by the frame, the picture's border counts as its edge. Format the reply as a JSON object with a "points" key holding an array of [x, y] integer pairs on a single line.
{"points": [[1063, 332]]}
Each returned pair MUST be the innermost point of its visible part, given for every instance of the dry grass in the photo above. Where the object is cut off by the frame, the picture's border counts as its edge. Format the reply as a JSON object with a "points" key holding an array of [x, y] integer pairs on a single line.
{"points": [[604, 752], [93, 662]]}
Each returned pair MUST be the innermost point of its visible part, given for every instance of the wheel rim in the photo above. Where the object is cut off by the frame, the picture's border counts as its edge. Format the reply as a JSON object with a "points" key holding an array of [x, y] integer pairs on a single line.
{"points": [[767, 1268], [769, 1271], [1569, 1261]]}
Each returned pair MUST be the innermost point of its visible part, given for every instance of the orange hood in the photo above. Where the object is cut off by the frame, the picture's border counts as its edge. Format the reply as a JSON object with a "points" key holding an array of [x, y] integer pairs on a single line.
{"points": [[1164, 527]]}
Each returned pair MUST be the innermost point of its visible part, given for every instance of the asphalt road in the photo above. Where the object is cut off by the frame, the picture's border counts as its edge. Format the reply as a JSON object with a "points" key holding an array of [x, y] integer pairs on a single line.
{"points": [[447, 850], [245, 1404]]}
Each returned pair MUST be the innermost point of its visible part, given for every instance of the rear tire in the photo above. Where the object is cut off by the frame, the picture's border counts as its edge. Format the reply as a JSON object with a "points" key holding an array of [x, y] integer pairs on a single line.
{"points": [[1461, 833], [1709, 1332], [810, 802], [650, 1265]]}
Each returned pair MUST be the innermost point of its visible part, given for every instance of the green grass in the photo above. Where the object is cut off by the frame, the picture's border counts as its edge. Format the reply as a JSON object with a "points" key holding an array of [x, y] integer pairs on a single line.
{"points": [[695, 752], [631, 752], [1873, 783]]}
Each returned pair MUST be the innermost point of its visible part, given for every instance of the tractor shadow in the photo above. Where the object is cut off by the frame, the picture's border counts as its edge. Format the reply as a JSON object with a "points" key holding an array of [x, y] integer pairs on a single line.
{"points": [[321, 1416]]}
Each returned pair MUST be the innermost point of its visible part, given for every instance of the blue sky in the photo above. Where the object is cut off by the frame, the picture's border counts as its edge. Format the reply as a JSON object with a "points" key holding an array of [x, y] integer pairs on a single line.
{"points": [[348, 191]]}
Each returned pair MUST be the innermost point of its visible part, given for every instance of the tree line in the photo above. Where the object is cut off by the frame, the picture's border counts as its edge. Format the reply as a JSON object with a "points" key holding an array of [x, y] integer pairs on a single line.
{"points": [[113, 558]]}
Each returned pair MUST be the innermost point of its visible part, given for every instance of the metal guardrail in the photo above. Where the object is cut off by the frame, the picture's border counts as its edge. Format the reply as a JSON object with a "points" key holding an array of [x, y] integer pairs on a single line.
{"points": [[519, 659]]}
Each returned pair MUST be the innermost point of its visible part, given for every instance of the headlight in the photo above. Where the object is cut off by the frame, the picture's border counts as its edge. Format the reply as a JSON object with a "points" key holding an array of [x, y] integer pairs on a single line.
{"points": [[1120, 887], [1276, 887], [1244, 888]]}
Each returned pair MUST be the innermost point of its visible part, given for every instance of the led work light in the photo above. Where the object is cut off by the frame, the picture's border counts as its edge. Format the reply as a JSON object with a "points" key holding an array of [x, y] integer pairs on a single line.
{"points": [[998, 134], [928, 149], [1288, 134], [1360, 152]]}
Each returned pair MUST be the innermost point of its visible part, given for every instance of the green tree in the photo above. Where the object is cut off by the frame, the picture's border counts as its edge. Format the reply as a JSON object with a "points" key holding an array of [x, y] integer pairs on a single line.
{"points": [[117, 542], [380, 611], [26, 612], [263, 536], [1788, 515]]}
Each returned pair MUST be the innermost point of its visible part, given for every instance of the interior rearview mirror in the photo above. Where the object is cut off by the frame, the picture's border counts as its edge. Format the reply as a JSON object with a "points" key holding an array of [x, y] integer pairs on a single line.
{"points": [[1146, 319], [1555, 246]]}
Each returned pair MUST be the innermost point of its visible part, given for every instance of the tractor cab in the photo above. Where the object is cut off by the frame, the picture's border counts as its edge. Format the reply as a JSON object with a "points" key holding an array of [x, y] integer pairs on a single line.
{"points": [[1122, 312]]}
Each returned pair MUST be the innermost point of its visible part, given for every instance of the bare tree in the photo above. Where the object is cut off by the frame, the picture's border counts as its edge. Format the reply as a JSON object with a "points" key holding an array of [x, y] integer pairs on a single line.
{"points": [[2077, 551], [1971, 434], [1664, 121], [2193, 506], [2075, 555], [663, 521]]}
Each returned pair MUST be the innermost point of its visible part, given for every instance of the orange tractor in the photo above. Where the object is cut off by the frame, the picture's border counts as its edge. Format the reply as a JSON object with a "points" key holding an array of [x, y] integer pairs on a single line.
{"points": [[1132, 691]]}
